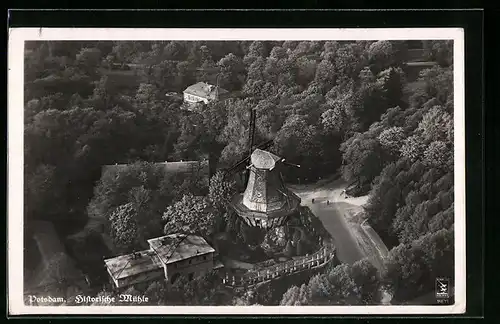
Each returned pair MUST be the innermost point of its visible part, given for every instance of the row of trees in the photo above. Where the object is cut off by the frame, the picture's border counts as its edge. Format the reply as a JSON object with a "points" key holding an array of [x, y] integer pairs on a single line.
{"points": [[341, 285]]}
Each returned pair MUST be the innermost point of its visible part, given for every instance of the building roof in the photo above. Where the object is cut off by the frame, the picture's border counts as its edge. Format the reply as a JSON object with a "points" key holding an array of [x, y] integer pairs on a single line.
{"points": [[422, 63], [204, 90], [127, 265], [185, 166], [175, 247], [201, 168], [263, 159], [416, 54]]}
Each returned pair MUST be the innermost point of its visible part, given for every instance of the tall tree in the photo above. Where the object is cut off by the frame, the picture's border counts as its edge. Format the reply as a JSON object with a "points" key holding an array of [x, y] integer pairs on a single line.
{"points": [[191, 214], [362, 159], [233, 72], [366, 278], [124, 229], [436, 125], [392, 139], [382, 54], [221, 190]]}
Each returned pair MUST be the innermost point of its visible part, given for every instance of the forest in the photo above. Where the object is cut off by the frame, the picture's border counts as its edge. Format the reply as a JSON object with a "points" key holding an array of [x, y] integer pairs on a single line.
{"points": [[331, 106]]}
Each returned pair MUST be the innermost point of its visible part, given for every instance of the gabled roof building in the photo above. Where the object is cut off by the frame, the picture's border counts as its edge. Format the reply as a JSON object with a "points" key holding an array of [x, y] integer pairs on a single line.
{"points": [[203, 92], [199, 94]]}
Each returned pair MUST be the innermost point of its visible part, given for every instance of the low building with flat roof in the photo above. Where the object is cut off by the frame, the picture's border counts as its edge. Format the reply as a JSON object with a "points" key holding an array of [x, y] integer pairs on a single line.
{"points": [[129, 269], [169, 257], [183, 254]]}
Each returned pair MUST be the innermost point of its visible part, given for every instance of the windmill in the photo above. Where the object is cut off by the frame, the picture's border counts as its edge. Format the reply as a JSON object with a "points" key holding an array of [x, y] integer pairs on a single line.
{"points": [[266, 201]]}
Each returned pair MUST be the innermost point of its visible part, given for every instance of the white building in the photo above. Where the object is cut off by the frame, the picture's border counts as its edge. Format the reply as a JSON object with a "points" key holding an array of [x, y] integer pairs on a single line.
{"points": [[202, 92]]}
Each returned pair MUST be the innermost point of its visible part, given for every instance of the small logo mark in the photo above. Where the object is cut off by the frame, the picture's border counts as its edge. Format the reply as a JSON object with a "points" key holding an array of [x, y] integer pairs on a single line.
{"points": [[442, 288]]}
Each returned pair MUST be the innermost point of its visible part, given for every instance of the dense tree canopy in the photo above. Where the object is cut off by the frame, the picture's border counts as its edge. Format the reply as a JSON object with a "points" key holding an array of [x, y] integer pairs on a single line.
{"points": [[329, 106], [342, 284], [136, 195], [221, 190]]}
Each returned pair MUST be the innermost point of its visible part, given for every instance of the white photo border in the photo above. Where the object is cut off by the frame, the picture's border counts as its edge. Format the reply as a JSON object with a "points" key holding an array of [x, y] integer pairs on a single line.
{"points": [[15, 144]]}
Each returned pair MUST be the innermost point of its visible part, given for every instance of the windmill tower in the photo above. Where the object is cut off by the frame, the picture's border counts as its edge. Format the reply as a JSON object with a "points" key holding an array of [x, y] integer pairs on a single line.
{"points": [[266, 201]]}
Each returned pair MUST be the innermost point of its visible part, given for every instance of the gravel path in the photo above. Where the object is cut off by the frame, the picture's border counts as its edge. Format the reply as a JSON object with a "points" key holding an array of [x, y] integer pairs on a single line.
{"points": [[353, 241]]}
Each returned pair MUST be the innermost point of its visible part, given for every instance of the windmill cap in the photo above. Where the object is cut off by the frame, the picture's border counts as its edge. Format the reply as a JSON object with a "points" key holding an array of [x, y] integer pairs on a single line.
{"points": [[263, 159]]}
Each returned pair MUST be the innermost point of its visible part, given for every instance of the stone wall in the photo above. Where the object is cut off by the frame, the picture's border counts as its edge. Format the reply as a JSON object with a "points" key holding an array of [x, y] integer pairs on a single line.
{"points": [[197, 266]]}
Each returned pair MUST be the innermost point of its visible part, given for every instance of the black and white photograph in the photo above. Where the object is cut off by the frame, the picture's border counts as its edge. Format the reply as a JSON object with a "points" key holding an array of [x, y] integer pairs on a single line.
{"points": [[236, 171]]}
